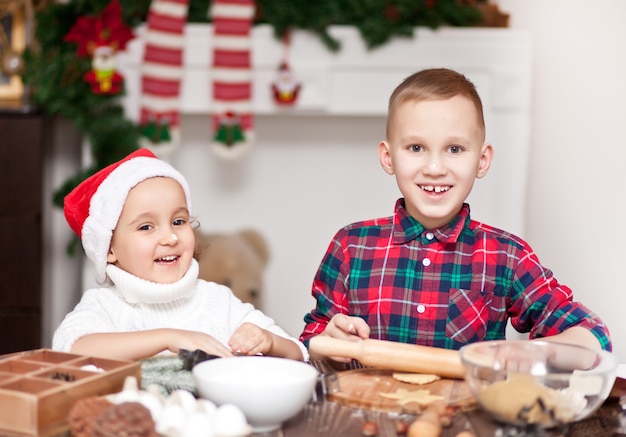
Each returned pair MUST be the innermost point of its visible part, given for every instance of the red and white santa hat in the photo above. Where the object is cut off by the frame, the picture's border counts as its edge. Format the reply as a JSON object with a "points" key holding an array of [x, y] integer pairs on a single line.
{"points": [[93, 208]]}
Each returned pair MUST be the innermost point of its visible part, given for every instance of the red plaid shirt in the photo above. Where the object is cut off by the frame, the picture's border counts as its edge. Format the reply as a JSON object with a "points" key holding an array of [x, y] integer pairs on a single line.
{"points": [[444, 287]]}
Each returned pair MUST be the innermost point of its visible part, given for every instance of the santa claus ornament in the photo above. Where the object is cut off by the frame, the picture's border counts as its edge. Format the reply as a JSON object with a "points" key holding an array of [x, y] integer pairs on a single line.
{"points": [[286, 87], [101, 37]]}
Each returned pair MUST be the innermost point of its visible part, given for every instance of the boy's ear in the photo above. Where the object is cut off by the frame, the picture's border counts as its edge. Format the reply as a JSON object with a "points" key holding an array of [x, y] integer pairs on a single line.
{"points": [[385, 157], [486, 157], [111, 258]]}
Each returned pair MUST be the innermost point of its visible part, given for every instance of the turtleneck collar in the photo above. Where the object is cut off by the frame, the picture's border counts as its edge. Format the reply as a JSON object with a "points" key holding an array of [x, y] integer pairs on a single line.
{"points": [[139, 291]]}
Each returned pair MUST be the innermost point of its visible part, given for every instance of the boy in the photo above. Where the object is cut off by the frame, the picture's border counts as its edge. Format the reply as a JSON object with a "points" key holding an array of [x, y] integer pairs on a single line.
{"points": [[429, 274], [135, 223]]}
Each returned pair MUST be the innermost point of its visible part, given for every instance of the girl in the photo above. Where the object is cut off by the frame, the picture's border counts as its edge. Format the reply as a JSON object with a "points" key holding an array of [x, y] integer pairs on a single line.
{"points": [[134, 221]]}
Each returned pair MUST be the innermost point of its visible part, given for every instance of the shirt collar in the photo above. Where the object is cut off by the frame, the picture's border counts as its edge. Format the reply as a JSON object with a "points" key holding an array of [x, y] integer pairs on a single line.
{"points": [[407, 228]]}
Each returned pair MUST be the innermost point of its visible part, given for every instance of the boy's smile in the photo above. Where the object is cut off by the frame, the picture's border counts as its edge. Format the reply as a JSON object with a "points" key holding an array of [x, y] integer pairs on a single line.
{"points": [[436, 151], [435, 189]]}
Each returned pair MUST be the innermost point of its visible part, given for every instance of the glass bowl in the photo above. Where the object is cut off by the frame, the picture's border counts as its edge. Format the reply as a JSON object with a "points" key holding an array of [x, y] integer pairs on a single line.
{"points": [[522, 382]]}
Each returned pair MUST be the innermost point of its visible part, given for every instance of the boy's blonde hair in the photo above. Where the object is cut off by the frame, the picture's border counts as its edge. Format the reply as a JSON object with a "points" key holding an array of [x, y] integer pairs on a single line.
{"points": [[434, 84]]}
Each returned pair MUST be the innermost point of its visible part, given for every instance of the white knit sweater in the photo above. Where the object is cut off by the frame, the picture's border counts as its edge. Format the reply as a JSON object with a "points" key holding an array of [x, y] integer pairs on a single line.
{"points": [[134, 304]]}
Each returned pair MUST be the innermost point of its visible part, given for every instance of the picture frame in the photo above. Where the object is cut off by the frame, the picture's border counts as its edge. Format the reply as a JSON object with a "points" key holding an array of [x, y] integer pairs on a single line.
{"points": [[13, 25]]}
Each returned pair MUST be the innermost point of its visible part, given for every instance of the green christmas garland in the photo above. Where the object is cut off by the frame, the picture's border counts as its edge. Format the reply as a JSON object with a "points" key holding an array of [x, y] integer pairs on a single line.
{"points": [[54, 72]]}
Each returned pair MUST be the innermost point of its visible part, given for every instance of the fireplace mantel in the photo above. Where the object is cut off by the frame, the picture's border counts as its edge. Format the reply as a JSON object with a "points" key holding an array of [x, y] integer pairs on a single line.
{"points": [[357, 82], [354, 80]]}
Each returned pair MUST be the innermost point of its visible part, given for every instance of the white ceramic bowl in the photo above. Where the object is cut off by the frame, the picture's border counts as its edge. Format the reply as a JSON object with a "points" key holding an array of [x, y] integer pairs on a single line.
{"points": [[268, 390], [541, 383]]}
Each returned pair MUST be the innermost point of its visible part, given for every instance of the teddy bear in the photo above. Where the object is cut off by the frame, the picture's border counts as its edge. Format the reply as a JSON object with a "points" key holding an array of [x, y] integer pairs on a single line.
{"points": [[236, 260]]}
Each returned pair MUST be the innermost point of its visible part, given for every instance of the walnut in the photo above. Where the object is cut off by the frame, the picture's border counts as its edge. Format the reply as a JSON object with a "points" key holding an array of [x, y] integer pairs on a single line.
{"points": [[83, 414], [128, 419]]}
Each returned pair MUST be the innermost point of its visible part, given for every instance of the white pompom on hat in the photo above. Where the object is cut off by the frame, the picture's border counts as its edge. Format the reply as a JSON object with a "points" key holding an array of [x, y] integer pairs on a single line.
{"points": [[93, 208]]}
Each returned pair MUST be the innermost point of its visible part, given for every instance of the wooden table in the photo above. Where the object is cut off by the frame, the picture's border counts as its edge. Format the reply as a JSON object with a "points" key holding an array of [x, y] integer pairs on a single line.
{"points": [[329, 419], [324, 418]]}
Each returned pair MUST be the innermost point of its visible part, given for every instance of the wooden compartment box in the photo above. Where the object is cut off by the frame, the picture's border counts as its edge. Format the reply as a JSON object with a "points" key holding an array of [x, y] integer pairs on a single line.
{"points": [[38, 388]]}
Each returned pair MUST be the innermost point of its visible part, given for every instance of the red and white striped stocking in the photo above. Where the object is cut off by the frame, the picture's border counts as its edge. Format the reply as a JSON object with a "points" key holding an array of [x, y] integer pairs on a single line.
{"points": [[233, 122], [162, 74]]}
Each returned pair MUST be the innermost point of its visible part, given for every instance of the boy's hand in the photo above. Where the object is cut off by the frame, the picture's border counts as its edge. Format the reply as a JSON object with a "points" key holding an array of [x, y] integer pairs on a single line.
{"points": [[250, 339], [346, 327]]}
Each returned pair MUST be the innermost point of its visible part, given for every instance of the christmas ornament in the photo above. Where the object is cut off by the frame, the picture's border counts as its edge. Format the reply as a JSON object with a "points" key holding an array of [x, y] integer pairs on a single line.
{"points": [[156, 132], [233, 122], [101, 37], [161, 76], [229, 131], [286, 87], [11, 63], [102, 77]]}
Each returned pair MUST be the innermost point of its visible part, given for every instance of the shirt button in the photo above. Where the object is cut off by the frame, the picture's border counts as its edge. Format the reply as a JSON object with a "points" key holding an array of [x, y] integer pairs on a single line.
{"points": [[421, 308], [426, 262], [430, 235]]}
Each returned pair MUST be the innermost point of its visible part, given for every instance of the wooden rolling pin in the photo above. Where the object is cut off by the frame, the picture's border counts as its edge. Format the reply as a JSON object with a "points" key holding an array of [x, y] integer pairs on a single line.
{"points": [[392, 355]]}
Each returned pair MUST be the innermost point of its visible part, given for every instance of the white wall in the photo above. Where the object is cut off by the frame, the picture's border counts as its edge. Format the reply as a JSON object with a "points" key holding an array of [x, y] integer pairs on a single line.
{"points": [[578, 151], [61, 274], [297, 187]]}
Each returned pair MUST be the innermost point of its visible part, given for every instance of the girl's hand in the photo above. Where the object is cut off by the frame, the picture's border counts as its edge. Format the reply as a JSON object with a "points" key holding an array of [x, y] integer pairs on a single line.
{"points": [[191, 340], [137, 345], [250, 339]]}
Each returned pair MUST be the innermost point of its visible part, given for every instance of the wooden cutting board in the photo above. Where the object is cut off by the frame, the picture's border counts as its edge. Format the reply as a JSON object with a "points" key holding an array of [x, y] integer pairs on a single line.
{"points": [[361, 388]]}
